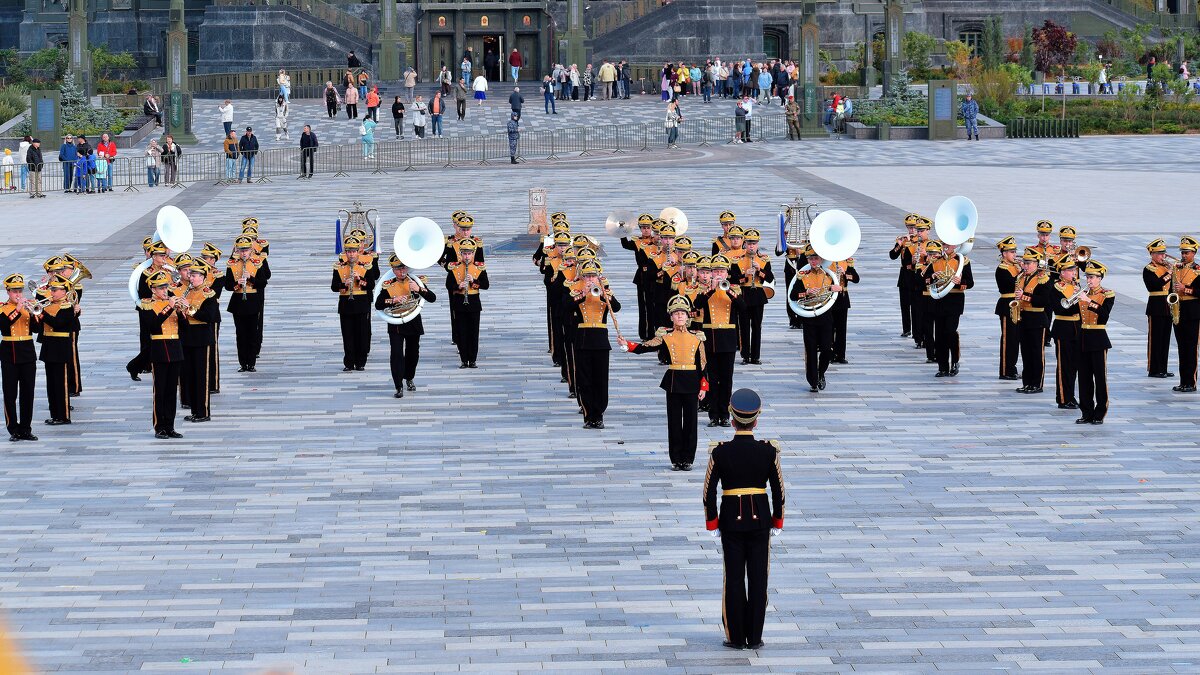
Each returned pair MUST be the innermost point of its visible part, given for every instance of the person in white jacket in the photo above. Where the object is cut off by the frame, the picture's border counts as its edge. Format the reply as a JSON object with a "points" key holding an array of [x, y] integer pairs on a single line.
{"points": [[281, 117], [480, 87], [226, 109]]}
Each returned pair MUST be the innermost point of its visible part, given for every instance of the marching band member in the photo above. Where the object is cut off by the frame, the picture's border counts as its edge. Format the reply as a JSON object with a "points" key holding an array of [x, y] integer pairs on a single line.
{"points": [[718, 306], [750, 273], [202, 310], [685, 380], [452, 253], [903, 280], [1066, 332], [736, 236], [744, 467], [1033, 295], [1157, 277], [67, 268], [818, 330], [664, 266], [1066, 240], [542, 256], [157, 252], [246, 276], [687, 282], [594, 301], [640, 246], [161, 314], [1006, 282], [553, 261], [262, 248], [1094, 311], [18, 359], [354, 282], [722, 244], [791, 263], [914, 259], [841, 309], [405, 338], [1045, 249], [1187, 285], [210, 255], [948, 310], [56, 327], [565, 277], [466, 278]]}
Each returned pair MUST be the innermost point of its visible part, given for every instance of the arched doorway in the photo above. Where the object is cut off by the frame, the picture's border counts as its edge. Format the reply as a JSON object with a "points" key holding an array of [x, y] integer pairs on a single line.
{"points": [[775, 42]]}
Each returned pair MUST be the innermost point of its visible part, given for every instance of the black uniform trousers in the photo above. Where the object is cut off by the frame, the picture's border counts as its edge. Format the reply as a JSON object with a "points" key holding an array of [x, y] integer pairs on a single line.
{"points": [[1187, 331], [166, 381], [1066, 371], [356, 339], [74, 378], [1033, 354], [818, 350], [945, 340], [19, 379], [645, 324], [906, 309], [720, 384], [927, 320], [568, 364], [591, 382], [465, 328], [248, 338], [681, 427], [919, 310], [841, 317], [1158, 343], [1093, 384], [789, 273], [744, 600], [549, 327], [1010, 346], [557, 339], [214, 361], [57, 391], [195, 378], [406, 351], [141, 362], [750, 330]]}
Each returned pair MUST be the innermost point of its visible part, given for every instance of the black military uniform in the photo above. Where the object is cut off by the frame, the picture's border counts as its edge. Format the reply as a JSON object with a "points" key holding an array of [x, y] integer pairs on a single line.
{"points": [[640, 246], [354, 282], [18, 360], [464, 280], [405, 338], [718, 312], [1035, 294], [841, 309], [1187, 331], [203, 311], [744, 467], [904, 279], [66, 267], [948, 310], [685, 378], [913, 260], [752, 274], [157, 252], [721, 244], [1006, 283], [818, 330], [463, 223], [1093, 362], [1066, 332], [664, 262], [1157, 277], [262, 248], [547, 250], [590, 342], [246, 302], [161, 318], [57, 326], [210, 255], [560, 271]]}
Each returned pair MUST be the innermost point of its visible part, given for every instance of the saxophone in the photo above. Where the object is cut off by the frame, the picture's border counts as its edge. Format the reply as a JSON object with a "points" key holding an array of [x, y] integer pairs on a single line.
{"points": [[1014, 307], [1172, 296]]}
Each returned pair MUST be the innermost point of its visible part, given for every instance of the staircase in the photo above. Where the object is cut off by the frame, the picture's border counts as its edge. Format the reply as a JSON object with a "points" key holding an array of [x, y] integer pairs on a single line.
{"points": [[686, 30]]}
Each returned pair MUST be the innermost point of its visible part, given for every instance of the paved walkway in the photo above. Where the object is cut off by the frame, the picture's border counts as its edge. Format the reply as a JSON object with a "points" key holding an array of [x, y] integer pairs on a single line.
{"points": [[321, 525]]}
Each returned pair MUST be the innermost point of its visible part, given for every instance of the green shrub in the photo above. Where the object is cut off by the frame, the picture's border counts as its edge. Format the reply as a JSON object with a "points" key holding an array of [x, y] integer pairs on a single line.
{"points": [[13, 102], [1171, 128], [850, 78]]}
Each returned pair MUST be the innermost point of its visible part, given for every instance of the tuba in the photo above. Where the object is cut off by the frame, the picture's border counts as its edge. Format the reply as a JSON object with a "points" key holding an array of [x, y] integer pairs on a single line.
{"points": [[955, 223], [835, 236], [418, 242], [173, 229], [81, 270], [795, 221]]}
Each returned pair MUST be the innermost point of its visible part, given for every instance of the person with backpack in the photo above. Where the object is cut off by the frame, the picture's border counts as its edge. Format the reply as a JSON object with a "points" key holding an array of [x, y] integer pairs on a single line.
{"points": [[419, 110]]}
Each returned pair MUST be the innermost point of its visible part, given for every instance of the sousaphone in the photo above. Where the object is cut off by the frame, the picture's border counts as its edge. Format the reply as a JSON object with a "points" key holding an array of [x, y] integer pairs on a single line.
{"points": [[419, 243]]}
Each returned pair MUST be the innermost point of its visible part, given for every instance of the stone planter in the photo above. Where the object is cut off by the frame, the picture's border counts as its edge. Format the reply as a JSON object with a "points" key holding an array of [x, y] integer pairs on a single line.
{"points": [[989, 129]]}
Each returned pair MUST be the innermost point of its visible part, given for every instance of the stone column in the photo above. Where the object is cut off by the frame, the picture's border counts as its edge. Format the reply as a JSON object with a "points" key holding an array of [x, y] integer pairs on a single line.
{"points": [[893, 39], [179, 99], [79, 59], [809, 74], [868, 73], [388, 44], [575, 37]]}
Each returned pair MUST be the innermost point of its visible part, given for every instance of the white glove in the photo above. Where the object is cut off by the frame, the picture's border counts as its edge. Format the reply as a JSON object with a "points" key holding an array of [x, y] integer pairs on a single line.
{"points": [[775, 531], [714, 533]]}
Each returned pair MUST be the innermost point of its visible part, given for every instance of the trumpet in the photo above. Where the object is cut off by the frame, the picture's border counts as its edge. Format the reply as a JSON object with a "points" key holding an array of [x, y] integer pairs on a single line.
{"points": [[1077, 297], [245, 278], [723, 284], [596, 292], [466, 284], [176, 275], [1082, 254], [36, 307]]}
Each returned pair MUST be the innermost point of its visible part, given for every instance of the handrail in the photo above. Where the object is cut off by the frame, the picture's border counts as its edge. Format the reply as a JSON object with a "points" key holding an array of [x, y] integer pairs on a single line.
{"points": [[318, 9], [233, 82]]}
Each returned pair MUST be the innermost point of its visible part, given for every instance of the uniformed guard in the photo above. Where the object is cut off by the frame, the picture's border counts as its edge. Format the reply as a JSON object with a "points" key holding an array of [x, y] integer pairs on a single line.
{"points": [[594, 304], [18, 358], [665, 265], [162, 314], [818, 330], [1094, 311], [354, 283], [405, 338], [1157, 277], [751, 273], [1187, 330], [246, 275], [744, 467], [1034, 295], [543, 256], [722, 244], [848, 274], [718, 306], [157, 252], [210, 254], [913, 260], [1006, 283], [201, 309], [948, 310], [465, 279], [56, 327], [904, 280], [639, 246], [685, 381], [1065, 331]]}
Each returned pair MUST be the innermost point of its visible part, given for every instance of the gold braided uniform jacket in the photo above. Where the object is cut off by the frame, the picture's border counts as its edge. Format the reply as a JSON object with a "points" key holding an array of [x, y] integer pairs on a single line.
{"points": [[160, 320], [718, 312], [204, 310], [457, 274], [1006, 284], [1157, 279], [258, 272], [688, 370], [590, 317], [16, 327], [396, 288], [57, 324], [1041, 292], [354, 297], [753, 293], [1094, 336], [813, 279], [1066, 319]]}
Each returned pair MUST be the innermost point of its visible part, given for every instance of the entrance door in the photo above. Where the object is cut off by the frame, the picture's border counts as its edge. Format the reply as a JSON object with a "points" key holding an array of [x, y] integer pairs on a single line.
{"points": [[441, 53], [493, 50], [527, 45]]}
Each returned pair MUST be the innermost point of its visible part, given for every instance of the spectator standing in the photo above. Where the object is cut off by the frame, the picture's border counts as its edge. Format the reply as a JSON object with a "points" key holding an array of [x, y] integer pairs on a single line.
{"points": [[514, 64], [89, 169], [67, 154], [748, 102], [109, 149], [22, 152], [460, 99], [444, 80], [368, 138], [1103, 78], [548, 94], [792, 112], [9, 165], [437, 108], [625, 73], [766, 82], [739, 115], [588, 80], [248, 148], [331, 100], [308, 151], [480, 86], [672, 124], [575, 82], [281, 118], [608, 75], [373, 104], [153, 157], [514, 134], [33, 159], [103, 167], [419, 110], [410, 83], [170, 160], [465, 69], [285, 85], [398, 117], [230, 147], [352, 60], [363, 78], [515, 101], [351, 103], [151, 108], [969, 109], [666, 82], [226, 109], [82, 147]]}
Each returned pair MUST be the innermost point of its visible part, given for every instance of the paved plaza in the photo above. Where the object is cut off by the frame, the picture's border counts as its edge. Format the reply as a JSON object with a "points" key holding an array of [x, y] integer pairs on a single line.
{"points": [[318, 525]]}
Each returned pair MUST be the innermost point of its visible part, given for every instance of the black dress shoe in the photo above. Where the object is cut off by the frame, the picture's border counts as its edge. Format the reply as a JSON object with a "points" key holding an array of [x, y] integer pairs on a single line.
{"points": [[1098, 421], [906, 334], [562, 380], [188, 418], [685, 466], [28, 436], [398, 394], [953, 369], [472, 365], [1034, 390], [598, 424], [723, 423], [1070, 405], [347, 369], [919, 345], [757, 645], [813, 389], [942, 373], [841, 362], [755, 362], [929, 360], [1083, 420], [206, 418], [251, 369], [729, 645], [572, 395], [462, 365], [821, 383], [1023, 390], [174, 434], [161, 434], [410, 386], [360, 367], [1183, 389], [714, 423], [1014, 378], [745, 362], [241, 369], [677, 467], [133, 375]]}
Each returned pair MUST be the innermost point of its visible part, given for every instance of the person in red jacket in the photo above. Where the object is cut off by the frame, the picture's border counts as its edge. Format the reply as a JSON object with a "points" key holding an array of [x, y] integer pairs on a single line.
{"points": [[109, 149], [514, 61]]}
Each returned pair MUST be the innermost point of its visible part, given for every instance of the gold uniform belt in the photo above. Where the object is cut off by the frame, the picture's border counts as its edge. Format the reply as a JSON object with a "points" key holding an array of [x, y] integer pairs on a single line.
{"points": [[1157, 293], [1032, 309], [1066, 317], [347, 293], [16, 338], [1094, 325], [164, 337], [248, 290], [739, 492], [593, 325], [1008, 295], [53, 333], [716, 326], [682, 367], [193, 322]]}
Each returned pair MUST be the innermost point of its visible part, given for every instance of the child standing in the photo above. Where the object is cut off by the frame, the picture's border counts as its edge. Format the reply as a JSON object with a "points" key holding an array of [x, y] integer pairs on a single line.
{"points": [[103, 181], [9, 165]]}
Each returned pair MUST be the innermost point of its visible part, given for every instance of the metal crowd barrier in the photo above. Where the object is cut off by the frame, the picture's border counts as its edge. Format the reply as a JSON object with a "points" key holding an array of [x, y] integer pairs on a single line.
{"points": [[129, 169], [1024, 127]]}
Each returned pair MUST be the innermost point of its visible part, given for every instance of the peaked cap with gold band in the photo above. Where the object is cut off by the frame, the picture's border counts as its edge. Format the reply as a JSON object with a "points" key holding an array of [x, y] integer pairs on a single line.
{"points": [[683, 243], [1095, 267], [243, 243], [1157, 246], [591, 267], [157, 248], [691, 258], [1031, 254], [1045, 227], [726, 217], [735, 231], [645, 220], [1066, 232], [667, 231], [465, 222], [210, 250], [752, 235], [1007, 244], [704, 262], [679, 303], [1187, 243], [745, 406], [158, 280], [351, 244], [922, 223], [249, 222], [1065, 261], [14, 282], [59, 281]]}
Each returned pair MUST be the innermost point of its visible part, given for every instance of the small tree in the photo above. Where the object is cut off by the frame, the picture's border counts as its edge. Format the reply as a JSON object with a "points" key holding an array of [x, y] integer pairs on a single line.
{"points": [[1183, 93], [47, 65], [917, 47], [992, 43], [105, 62], [960, 57], [1055, 46], [1028, 55], [1153, 100]]}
